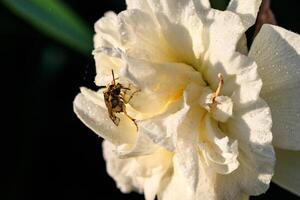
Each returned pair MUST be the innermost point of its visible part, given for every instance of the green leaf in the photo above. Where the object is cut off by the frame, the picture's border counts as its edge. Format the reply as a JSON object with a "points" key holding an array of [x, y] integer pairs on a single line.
{"points": [[219, 4], [55, 19]]}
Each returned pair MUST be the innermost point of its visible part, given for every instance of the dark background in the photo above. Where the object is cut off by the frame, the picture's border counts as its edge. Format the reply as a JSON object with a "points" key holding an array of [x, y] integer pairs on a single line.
{"points": [[49, 153]]}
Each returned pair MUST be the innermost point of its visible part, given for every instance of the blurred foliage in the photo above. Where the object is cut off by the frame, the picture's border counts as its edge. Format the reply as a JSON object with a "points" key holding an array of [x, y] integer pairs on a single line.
{"points": [[56, 20]]}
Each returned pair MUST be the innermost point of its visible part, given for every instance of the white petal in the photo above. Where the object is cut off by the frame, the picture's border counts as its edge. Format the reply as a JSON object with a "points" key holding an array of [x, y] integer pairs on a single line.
{"points": [[138, 4], [141, 174], [142, 37], [181, 26], [222, 32], [246, 9], [104, 65], [176, 188], [251, 127], [180, 40], [276, 52], [162, 128], [221, 151], [90, 108], [142, 146], [106, 29], [287, 170], [242, 46], [160, 84], [96, 118], [241, 80], [186, 146]]}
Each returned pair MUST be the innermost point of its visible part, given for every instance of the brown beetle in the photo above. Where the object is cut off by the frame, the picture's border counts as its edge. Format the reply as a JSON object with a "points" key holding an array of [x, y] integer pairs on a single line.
{"points": [[114, 98]]}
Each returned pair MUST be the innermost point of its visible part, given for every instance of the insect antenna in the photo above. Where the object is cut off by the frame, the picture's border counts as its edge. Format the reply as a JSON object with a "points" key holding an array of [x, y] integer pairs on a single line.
{"points": [[113, 75]]}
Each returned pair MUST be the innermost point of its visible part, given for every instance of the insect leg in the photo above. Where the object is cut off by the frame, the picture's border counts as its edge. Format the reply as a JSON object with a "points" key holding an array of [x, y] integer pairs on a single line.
{"points": [[133, 120], [127, 101], [102, 87]]}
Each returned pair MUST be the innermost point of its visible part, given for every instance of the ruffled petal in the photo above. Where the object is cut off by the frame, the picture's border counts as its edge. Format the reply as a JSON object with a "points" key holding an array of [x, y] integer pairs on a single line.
{"points": [[287, 170], [181, 27], [162, 128], [143, 41], [140, 174], [138, 4], [107, 33], [104, 65], [186, 146], [251, 127], [246, 9], [276, 52], [221, 152], [242, 46], [90, 108], [222, 32], [95, 116], [176, 188], [241, 80], [143, 145], [159, 84]]}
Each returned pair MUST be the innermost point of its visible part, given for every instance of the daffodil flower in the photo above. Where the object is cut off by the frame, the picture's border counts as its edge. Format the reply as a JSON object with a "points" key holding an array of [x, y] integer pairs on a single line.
{"points": [[209, 113]]}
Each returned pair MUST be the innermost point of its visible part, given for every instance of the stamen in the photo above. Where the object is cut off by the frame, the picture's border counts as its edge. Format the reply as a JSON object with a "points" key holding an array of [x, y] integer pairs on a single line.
{"points": [[221, 83]]}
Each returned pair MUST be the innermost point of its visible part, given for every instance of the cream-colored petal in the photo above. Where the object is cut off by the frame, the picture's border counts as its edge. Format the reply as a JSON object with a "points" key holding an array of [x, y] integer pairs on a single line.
{"points": [[104, 65], [246, 9], [181, 26], [222, 32], [127, 32], [143, 145], [180, 40], [221, 152], [106, 29], [287, 170], [241, 80], [186, 146], [251, 127], [242, 197], [176, 188], [142, 37], [91, 108], [138, 4], [180, 124], [96, 118], [242, 46], [162, 128], [122, 170], [160, 84], [179, 129], [277, 54], [140, 174]]}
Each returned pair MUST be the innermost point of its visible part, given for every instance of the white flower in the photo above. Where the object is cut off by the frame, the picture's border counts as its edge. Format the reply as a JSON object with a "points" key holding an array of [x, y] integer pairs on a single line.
{"points": [[197, 138]]}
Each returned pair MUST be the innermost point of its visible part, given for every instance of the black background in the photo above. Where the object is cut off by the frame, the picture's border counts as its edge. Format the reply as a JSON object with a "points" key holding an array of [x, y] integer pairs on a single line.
{"points": [[49, 153]]}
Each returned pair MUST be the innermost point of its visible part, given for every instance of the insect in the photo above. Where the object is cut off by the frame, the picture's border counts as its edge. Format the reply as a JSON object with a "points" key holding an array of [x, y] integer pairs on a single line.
{"points": [[114, 98]]}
